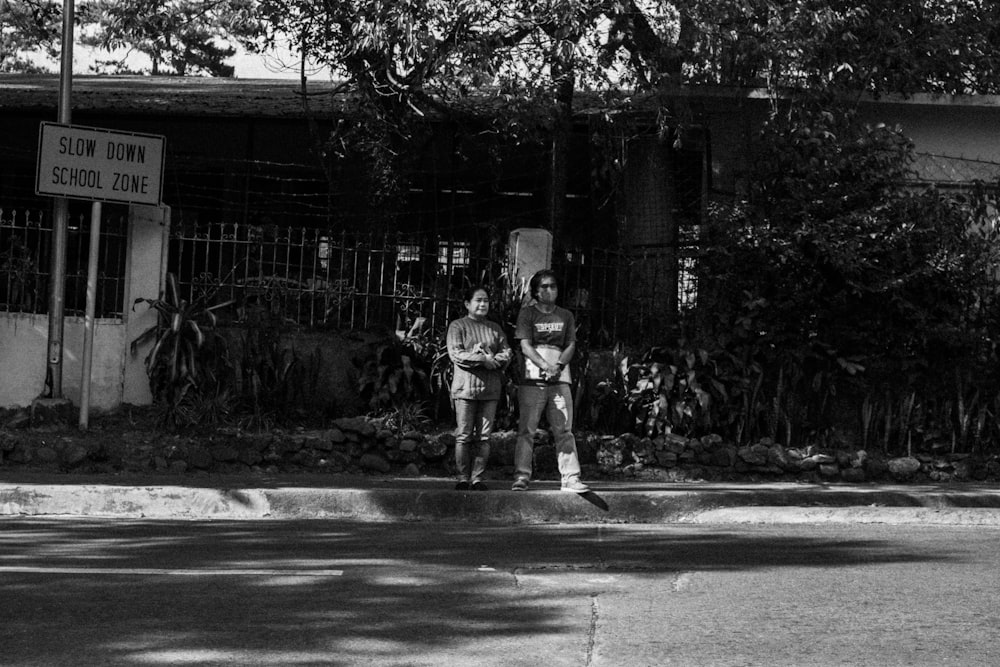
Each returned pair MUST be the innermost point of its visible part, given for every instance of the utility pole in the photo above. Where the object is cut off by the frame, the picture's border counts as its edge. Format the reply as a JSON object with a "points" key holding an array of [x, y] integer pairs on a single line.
{"points": [[60, 219]]}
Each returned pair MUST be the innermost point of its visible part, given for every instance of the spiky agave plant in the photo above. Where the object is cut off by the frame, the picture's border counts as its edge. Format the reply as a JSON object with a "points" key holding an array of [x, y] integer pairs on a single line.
{"points": [[189, 359]]}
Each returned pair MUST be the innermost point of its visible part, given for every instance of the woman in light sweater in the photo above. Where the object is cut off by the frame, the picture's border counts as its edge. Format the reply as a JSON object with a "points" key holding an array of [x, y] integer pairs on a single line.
{"points": [[479, 350]]}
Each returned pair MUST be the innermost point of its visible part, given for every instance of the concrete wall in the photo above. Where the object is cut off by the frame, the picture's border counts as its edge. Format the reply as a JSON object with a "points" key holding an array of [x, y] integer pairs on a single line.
{"points": [[117, 376]]}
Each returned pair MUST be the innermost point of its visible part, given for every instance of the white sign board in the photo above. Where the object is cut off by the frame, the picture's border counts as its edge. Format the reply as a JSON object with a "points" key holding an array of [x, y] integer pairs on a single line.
{"points": [[99, 165]]}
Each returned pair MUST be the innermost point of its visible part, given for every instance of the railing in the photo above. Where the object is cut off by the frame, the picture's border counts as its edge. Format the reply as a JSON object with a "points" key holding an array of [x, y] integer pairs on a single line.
{"points": [[316, 278], [25, 263]]}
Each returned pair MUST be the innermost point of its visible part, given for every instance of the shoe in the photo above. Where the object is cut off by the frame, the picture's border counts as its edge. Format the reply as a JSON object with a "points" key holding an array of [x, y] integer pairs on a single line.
{"points": [[462, 486], [520, 484], [574, 485], [480, 485]]}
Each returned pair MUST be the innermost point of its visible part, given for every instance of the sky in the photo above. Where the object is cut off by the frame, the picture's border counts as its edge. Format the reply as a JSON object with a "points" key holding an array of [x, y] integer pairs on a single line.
{"points": [[275, 65]]}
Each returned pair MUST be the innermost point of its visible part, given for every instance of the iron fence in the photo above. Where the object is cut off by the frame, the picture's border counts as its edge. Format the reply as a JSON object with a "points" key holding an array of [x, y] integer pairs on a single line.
{"points": [[316, 279], [25, 263]]}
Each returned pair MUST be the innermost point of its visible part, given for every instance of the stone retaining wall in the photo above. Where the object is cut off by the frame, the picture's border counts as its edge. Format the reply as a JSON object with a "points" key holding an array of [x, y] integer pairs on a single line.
{"points": [[359, 445]]}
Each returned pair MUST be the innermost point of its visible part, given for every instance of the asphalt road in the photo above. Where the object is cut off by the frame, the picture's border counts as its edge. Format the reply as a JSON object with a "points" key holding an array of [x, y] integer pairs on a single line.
{"points": [[134, 592]]}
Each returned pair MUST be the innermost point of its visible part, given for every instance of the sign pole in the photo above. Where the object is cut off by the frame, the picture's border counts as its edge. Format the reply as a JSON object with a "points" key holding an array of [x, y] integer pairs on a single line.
{"points": [[88, 322], [60, 220]]}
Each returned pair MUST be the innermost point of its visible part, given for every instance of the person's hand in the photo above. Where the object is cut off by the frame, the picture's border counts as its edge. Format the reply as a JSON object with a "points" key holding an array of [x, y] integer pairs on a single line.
{"points": [[551, 372]]}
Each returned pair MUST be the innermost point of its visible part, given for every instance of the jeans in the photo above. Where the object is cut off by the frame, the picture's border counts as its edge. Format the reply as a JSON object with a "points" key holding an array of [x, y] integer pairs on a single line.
{"points": [[556, 401], [472, 437]]}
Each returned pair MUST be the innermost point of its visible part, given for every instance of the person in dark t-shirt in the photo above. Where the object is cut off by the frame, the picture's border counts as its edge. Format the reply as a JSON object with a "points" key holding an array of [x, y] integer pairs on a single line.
{"points": [[547, 335]]}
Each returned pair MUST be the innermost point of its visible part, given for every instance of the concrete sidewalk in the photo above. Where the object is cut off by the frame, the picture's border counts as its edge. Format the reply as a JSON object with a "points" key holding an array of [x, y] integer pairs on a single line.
{"points": [[429, 499]]}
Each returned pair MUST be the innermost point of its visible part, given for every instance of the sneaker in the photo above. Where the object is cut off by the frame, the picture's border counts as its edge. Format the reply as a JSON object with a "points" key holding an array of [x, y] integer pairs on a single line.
{"points": [[480, 485], [574, 485], [520, 484], [462, 486]]}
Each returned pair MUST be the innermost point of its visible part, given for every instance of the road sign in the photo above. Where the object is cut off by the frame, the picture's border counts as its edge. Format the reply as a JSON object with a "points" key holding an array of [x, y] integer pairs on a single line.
{"points": [[99, 165]]}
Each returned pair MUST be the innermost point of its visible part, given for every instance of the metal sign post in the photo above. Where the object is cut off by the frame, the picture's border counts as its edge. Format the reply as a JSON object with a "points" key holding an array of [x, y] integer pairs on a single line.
{"points": [[60, 218], [88, 321]]}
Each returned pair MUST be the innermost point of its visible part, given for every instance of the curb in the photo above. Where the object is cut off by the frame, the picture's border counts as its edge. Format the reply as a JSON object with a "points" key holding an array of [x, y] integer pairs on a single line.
{"points": [[433, 500]]}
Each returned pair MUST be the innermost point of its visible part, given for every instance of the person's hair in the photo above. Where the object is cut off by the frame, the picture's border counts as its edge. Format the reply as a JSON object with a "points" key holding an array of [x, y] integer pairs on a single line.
{"points": [[536, 280], [470, 292]]}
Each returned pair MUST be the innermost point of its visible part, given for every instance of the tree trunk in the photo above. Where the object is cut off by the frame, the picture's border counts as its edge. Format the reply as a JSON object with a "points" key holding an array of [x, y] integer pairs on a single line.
{"points": [[559, 156]]}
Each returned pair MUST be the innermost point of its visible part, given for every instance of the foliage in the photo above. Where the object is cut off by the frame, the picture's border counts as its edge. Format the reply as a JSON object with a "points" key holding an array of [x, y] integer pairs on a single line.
{"points": [[188, 365], [18, 267], [186, 36], [407, 416], [837, 280], [275, 380], [28, 26], [399, 371]]}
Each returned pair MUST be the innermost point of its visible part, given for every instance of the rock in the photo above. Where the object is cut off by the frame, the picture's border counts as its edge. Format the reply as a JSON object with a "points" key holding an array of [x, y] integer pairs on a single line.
{"points": [[807, 464], [224, 453], [74, 455], [755, 455], [724, 457], [435, 449], [46, 455], [777, 456], [200, 458], [178, 466], [358, 425], [336, 436], [289, 445], [904, 467], [338, 460], [408, 445], [829, 470], [250, 457], [374, 463], [666, 459], [712, 441], [673, 439], [257, 441], [875, 468], [857, 459], [52, 412], [643, 451], [609, 456], [321, 441], [852, 475], [21, 419], [411, 470]]}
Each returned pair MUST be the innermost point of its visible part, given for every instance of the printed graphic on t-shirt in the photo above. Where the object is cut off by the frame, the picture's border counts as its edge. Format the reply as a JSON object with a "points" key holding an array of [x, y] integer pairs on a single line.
{"points": [[548, 327]]}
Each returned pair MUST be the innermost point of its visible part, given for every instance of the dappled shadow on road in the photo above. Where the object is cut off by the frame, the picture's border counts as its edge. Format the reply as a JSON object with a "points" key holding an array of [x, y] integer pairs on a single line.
{"points": [[329, 593]]}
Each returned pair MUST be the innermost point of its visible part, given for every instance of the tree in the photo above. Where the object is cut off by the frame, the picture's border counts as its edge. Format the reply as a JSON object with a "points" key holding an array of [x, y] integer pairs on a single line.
{"points": [[27, 26], [178, 36]]}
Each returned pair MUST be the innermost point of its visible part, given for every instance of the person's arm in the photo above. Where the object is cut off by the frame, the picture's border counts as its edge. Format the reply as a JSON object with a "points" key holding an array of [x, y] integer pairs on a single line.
{"points": [[459, 356], [566, 356], [505, 353], [569, 347]]}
